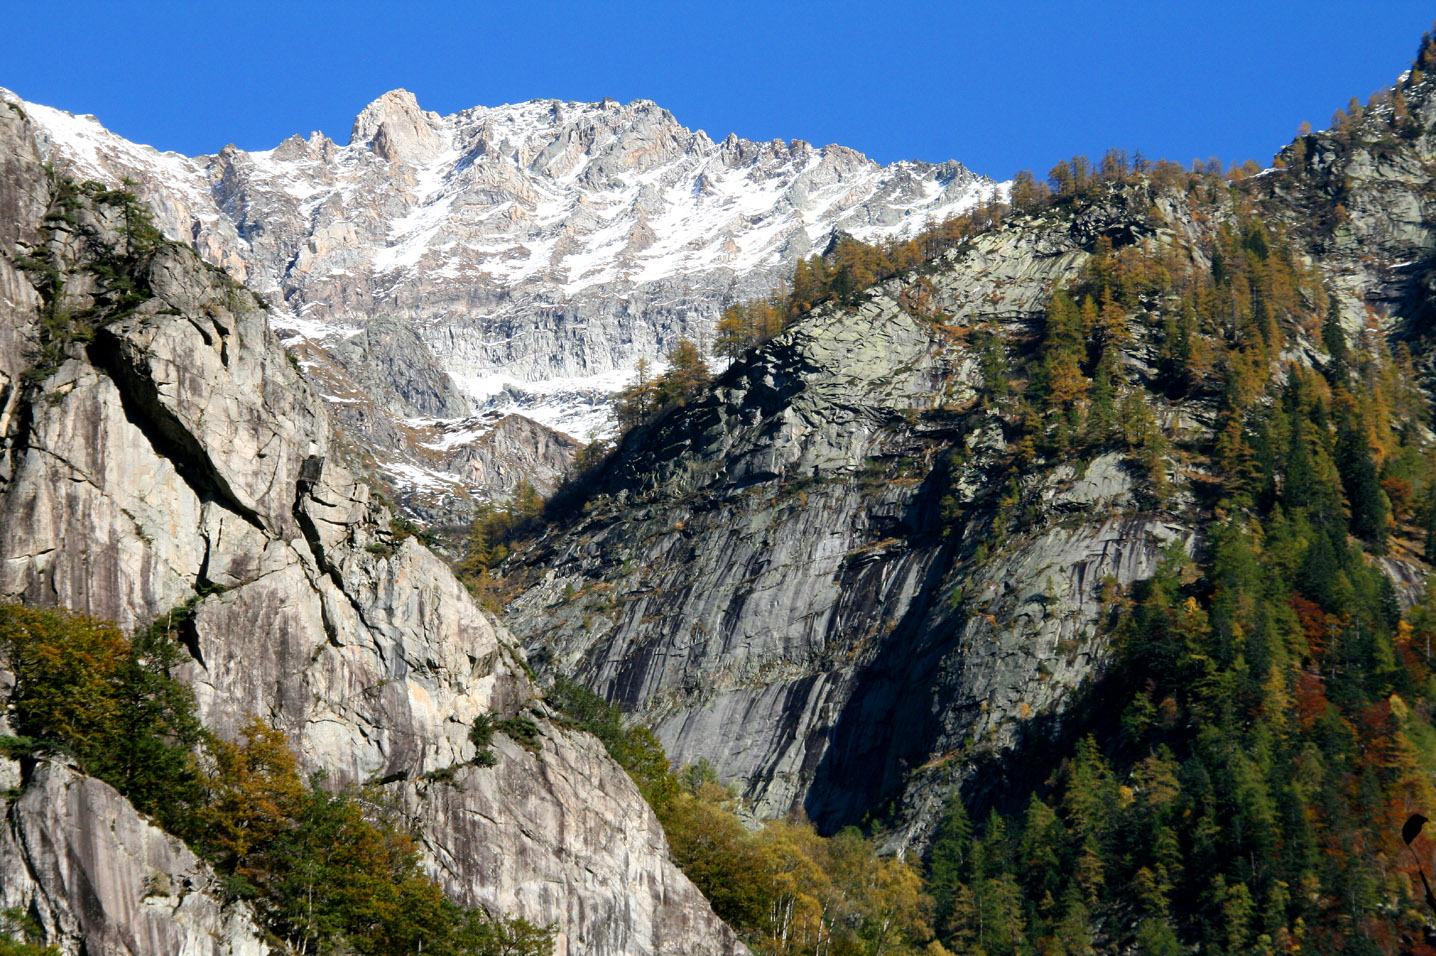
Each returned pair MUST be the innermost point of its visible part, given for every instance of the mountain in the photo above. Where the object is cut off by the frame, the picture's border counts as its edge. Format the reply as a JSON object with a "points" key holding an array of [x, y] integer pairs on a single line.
{"points": [[1101, 490], [164, 462], [1078, 554], [798, 578], [517, 258]]}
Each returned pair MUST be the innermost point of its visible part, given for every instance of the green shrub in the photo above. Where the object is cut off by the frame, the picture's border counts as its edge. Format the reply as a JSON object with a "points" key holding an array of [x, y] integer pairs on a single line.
{"points": [[522, 730], [83, 688], [481, 735]]}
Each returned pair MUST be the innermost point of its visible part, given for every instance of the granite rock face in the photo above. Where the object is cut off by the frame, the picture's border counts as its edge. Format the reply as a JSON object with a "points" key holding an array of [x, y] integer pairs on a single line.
{"points": [[99, 879], [806, 578], [1362, 201], [840, 577], [170, 453]]}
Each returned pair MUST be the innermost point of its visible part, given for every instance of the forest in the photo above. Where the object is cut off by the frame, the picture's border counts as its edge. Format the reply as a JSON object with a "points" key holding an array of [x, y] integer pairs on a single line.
{"points": [[326, 870]]}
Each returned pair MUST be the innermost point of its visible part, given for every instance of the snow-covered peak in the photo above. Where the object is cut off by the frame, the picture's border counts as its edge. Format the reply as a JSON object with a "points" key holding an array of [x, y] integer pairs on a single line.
{"points": [[542, 243], [398, 130]]}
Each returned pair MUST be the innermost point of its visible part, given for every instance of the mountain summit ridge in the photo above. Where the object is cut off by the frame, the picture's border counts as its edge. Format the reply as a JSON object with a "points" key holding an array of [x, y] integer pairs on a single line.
{"points": [[538, 250]]}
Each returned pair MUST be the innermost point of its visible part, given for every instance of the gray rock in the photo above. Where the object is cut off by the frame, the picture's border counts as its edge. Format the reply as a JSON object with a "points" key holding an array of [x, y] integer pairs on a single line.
{"points": [[391, 364], [100, 879], [831, 577], [178, 457]]}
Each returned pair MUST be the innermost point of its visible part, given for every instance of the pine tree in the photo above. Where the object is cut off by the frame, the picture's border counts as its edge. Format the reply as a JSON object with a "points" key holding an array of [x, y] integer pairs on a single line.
{"points": [[1369, 507], [1333, 337]]}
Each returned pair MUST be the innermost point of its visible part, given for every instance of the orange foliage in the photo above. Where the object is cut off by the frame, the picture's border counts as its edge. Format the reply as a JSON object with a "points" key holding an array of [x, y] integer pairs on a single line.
{"points": [[1311, 702], [1316, 624]]}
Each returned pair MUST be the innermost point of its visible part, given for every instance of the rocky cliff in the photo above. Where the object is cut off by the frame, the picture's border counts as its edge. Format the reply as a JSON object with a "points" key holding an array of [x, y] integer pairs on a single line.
{"points": [[1361, 197], [771, 579], [543, 246], [96, 877], [847, 578], [161, 450]]}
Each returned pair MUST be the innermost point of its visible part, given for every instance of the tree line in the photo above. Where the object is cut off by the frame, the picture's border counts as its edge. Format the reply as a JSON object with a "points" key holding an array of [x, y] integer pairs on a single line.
{"points": [[1266, 724]]}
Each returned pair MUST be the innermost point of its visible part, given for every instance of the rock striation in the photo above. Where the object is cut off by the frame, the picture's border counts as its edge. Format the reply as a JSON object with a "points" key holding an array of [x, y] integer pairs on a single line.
{"points": [[168, 453], [801, 579], [96, 877]]}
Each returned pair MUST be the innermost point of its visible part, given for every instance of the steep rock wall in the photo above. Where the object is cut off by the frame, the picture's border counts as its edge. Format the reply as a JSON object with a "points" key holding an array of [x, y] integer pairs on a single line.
{"points": [[173, 456], [99, 879], [798, 578]]}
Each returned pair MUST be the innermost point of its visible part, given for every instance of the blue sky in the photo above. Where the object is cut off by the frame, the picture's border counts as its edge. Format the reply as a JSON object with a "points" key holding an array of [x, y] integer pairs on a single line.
{"points": [[998, 86]]}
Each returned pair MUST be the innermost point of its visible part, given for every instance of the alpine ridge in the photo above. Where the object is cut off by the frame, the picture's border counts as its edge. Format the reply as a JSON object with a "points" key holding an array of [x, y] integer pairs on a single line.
{"points": [[530, 253], [1057, 583]]}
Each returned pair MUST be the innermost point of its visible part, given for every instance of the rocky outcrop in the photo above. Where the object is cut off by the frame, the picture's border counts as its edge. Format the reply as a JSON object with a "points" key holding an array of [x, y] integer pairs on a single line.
{"points": [[98, 879], [169, 453], [1362, 199], [392, 367], [398, 131], [514, 451], [812, 578], [23, 201]]}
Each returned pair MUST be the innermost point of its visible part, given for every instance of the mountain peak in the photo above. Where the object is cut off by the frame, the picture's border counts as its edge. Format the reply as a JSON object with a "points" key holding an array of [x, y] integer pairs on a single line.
{"points": [[396, 128]]}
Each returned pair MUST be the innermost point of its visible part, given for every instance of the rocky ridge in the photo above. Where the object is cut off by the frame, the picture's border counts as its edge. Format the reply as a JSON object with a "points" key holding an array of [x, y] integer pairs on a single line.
{"points": [[773, 578], [1362, 199], [532, 251], [165, 452], [824, 577]]}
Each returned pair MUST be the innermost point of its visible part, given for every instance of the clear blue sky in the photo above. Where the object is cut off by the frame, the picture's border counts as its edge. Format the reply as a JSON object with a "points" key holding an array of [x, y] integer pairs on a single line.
{"points": [[998, 86]]}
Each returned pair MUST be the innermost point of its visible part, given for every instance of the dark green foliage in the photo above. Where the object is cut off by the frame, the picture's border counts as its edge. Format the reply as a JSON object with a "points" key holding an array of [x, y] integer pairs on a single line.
{"points": [[83, 687], [522, 730], [12, 947], [118, 259], [402, 528], [992, 364], [1369, 506], [481, 733], [1258, 744], [949, 864], [635, 749], [1333, 337], [15, 922], [1267, 723]]}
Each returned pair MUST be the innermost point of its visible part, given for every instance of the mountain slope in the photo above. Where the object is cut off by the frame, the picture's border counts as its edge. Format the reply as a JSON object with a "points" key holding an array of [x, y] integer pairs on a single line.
{"points": [[162, 457], [885, 550], [772, 577]]}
